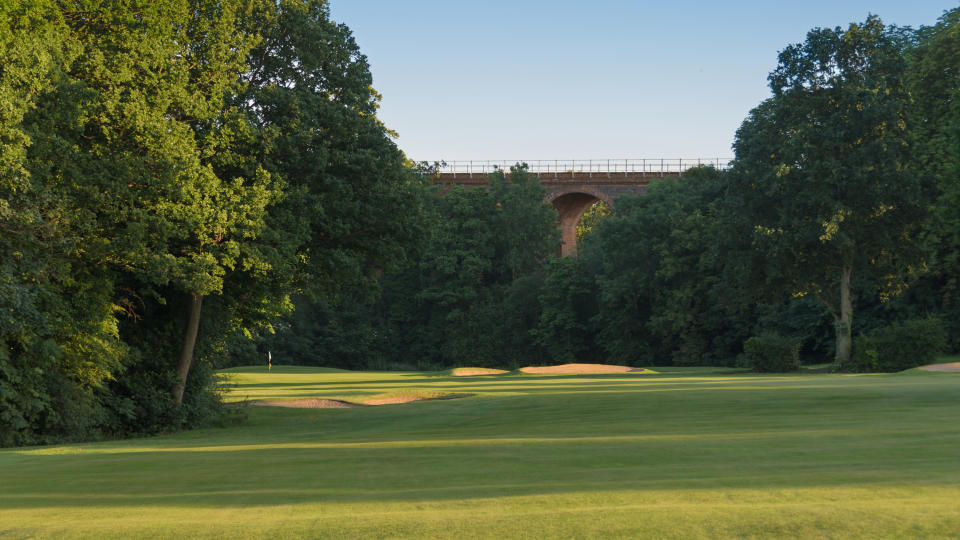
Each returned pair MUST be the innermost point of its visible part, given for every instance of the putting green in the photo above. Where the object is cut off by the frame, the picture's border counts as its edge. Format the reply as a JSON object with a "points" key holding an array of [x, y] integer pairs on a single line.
{"points": [[678, 453]]}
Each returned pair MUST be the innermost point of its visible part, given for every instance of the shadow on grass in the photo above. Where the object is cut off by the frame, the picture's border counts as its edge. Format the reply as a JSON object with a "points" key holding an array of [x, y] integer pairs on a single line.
{"points": [[560, 435], [472, 469], [556, 434]]}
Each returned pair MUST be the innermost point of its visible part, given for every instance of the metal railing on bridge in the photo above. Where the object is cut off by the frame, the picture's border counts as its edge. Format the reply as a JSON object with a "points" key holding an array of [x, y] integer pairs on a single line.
{"points": [[642, 166]]}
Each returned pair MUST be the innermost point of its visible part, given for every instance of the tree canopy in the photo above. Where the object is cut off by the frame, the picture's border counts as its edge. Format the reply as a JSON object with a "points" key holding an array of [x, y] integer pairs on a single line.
{"points": [[171, 173], [826, 168]]}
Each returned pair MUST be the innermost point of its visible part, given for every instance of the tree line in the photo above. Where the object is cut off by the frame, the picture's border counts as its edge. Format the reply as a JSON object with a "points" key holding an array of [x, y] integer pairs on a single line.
{"points": [[188, 184], [836, 224]]}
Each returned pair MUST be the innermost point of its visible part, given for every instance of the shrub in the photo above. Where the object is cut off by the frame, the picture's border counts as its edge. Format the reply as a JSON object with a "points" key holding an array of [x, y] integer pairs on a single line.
{"points": [[772, 353], [899, 346]]}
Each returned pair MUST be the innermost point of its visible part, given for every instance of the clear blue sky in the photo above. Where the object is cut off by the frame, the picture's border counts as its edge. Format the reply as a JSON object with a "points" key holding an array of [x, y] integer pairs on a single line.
{"points": [[501, 79]]}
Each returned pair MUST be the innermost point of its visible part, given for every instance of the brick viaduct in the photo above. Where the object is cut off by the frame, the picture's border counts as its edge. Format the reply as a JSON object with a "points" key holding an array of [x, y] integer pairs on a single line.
{"points": [[574, 186]]}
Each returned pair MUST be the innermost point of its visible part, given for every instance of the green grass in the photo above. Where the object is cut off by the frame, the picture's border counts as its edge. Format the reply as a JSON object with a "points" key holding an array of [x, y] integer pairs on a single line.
{"points": [[681, 453]]}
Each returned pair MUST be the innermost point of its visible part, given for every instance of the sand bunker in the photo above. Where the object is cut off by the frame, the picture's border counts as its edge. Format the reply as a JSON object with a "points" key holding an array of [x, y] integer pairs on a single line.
{"points": [[320, 403], [952, 367], [582, 369], [471, 371]]}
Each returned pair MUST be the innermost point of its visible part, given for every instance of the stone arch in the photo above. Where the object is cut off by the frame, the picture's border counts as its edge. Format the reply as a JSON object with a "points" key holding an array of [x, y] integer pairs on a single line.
{"points": [[571, 204]]}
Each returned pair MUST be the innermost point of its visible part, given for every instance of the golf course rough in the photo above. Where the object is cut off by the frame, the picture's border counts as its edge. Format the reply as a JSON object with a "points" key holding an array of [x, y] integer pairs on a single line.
{"points": [[679, 453]]}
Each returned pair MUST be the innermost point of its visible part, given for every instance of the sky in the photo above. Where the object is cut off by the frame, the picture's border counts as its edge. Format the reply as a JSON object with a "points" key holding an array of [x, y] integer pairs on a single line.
{"points": [[525, 80]]}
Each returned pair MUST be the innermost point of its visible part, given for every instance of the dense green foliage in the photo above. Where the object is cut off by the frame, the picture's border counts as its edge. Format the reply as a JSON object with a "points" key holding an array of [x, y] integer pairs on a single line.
{"points": [[169, 173], [934, 82], [824, 167], [666, 277], [772, 353], [591, 218], [568, 307], [471, 298], [902, 345]]}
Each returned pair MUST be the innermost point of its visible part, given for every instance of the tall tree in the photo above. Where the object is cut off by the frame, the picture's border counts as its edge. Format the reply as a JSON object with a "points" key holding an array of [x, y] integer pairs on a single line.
{"points": [[934, 82], [352, 205], [352, 202], [825, 166], [157, 162]]}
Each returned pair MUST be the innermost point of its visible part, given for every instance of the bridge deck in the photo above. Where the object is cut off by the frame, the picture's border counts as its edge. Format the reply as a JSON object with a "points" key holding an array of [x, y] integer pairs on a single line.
{"points": [[576, 171], [564, 178], [588, 166]]}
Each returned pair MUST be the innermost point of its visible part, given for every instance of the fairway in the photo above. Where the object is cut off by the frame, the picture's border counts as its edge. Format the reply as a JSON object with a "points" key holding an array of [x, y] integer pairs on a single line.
{"points": [[677, 453]]}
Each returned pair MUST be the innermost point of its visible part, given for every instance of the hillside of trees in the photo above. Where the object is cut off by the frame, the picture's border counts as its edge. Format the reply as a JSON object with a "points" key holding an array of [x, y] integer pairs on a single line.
{"points": [[187, 187]]}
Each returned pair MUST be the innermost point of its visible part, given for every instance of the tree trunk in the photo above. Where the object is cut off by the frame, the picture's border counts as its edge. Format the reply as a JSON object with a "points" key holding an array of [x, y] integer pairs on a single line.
{"points": [[844, 334], [189, 342]]}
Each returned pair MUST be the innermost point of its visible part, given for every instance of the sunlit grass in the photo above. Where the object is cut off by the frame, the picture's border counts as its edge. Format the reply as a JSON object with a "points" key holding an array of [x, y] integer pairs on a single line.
{"points": [[685, 452]]}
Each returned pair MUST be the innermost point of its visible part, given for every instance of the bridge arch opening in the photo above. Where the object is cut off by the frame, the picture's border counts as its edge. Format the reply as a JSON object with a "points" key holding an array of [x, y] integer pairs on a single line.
{"points": [[571, 206]]}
